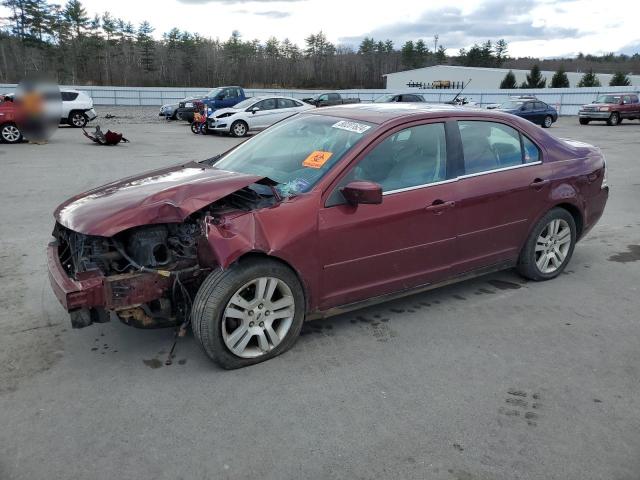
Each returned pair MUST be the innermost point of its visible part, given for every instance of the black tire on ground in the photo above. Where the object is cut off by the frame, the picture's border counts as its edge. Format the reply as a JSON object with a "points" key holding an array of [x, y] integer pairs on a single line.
{"points": [[10, 133], [614, 119], [195, 127], [527, 266], [584, 121], [212, 299], [547, 122], [239, 129], [78, 119]]}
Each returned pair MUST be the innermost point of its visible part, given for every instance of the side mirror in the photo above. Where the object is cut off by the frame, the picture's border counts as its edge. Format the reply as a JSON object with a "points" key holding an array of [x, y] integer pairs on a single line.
{"points": [[362, 192], [255, 109], [220, 96]]}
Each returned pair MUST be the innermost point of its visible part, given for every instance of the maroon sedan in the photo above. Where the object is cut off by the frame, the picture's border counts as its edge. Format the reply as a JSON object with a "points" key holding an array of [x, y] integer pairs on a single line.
{"points": [[322, 213]]}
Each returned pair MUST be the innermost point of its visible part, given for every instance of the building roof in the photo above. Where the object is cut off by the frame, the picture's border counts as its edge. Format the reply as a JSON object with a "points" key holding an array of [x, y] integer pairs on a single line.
{"points": [[487, 69]]}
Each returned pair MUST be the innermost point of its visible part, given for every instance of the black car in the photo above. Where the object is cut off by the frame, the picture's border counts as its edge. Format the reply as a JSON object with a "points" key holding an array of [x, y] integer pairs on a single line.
{"points": [[400, 97], [531, 109]]}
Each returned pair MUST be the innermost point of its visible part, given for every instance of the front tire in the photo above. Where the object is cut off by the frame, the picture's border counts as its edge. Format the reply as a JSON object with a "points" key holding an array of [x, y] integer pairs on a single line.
{"points": [[614, 119], [195, 127], [239, 128], [549, 246], [78, 119], [248, 313], [10, 133], [584, 121], [547, 122]]}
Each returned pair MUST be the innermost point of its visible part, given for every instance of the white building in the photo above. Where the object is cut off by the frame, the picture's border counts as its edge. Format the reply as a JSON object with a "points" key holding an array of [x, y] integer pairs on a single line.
{"points": [[481, 78]]}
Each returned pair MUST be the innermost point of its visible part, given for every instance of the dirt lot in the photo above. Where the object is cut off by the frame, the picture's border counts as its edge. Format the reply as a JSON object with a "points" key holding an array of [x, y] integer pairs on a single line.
{"points": [[494, 378]]}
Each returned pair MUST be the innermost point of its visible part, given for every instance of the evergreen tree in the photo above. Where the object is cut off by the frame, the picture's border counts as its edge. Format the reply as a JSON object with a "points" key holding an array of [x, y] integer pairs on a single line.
{"points": [[620, 79], [408, 54], [560, 79], [77, 16], [501, 52], [535, 78], [441, 55], [509, 81], [146, 44], [589, 79]]}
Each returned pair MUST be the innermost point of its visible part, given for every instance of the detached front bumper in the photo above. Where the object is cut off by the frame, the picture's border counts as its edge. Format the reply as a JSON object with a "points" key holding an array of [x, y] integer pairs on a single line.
{"points": [[91, 114], [91, 295]]}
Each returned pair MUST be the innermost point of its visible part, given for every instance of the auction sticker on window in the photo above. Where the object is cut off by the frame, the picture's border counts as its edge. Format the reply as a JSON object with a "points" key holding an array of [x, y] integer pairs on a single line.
{"points": [[317, 159], [351, 126]]}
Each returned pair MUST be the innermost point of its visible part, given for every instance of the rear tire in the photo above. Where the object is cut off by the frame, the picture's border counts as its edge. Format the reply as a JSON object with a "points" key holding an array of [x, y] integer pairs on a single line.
{"points": [[230, 313], [78, 119], [584, 121], [239, 128], [549, 246], [614, 119], [10, 133], [195, 127], [547, 122]]}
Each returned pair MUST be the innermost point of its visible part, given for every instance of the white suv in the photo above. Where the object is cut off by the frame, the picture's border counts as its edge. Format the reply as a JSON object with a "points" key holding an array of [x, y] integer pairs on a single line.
{"points": [[77, 108]]}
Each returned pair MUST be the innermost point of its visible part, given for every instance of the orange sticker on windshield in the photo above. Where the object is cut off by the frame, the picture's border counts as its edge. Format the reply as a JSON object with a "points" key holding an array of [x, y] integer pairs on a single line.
{"points": [[317, 159]]}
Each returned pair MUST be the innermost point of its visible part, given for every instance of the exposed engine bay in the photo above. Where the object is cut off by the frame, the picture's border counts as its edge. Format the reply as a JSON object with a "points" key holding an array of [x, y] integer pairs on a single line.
{"points": [[149, 274]]}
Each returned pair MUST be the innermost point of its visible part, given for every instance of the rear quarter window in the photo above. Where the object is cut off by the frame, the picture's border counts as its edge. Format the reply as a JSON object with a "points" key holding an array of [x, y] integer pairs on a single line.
{"points": [[68, 96]]}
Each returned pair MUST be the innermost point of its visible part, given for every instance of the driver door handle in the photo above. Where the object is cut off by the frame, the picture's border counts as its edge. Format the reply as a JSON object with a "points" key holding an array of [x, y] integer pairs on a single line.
{"points": [[438, 206], [538, 183]]}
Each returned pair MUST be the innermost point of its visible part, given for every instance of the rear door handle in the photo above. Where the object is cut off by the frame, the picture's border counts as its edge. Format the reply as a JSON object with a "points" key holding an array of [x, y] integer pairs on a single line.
{"points": [[538, 183], [438, 206]]}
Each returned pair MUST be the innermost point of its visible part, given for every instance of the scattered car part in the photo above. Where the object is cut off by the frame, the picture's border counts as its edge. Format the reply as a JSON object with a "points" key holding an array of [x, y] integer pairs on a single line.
{"points": [[108, 138]]}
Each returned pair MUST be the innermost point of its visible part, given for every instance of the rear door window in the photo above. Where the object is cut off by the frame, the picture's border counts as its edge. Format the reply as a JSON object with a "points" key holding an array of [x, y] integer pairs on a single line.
{"points": [[334, 97], [490, 146], [286, 103]]}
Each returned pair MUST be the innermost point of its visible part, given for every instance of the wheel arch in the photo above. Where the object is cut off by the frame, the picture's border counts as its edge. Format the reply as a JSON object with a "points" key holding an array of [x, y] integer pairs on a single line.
{"points": [[257, 254], [577, 215]]}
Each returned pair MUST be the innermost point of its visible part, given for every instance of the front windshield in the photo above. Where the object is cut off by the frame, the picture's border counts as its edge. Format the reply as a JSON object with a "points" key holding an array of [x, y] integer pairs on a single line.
{"points": [[214, 93], [245, 103], [298, 152], [608, 99], [510, 105], [384, 98]]}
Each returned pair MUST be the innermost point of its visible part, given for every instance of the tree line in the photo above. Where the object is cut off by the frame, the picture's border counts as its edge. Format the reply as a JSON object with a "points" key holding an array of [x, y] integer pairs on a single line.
{"points": [[560, 80], [65, 44]]}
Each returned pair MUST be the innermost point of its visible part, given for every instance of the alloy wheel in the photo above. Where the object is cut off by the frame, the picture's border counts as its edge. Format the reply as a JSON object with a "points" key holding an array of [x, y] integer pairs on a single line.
{"points": [[548, 121], [78, 120], [258, 317], [10, 133], [552, 246], [239, 129]]}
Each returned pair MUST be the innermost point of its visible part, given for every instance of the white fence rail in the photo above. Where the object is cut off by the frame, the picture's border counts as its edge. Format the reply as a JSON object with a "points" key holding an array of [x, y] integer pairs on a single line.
{"points": [[566, 100]]}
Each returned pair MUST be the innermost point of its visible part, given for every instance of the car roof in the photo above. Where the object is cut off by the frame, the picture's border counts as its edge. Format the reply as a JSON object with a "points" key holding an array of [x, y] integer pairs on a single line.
{"points": [[380, 113]]}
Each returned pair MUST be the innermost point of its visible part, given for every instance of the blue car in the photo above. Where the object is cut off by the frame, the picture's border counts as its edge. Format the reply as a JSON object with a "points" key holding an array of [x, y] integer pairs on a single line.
{"points": [[532, 109]]}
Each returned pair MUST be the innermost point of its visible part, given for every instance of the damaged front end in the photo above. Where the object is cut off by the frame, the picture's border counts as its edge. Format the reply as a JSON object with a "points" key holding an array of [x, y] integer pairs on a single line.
{"points": [[146, 275]]}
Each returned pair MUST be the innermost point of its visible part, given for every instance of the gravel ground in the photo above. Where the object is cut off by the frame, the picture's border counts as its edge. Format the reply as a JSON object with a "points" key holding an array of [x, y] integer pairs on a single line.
{"points": [[127, 115], [490, 379]]}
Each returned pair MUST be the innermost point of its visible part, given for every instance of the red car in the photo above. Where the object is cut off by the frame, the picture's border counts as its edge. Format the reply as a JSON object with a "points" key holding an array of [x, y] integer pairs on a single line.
{"points": [[325, 212], [9, 121]]}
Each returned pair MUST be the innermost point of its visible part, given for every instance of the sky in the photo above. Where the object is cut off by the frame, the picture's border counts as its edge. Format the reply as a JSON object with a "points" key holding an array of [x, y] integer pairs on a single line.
{"points": [[536, 28]]}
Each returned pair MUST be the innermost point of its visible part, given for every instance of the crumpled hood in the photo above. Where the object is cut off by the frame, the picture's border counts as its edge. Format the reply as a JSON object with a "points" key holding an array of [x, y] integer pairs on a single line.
{"points": [[220, 111], [163, 196]]}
